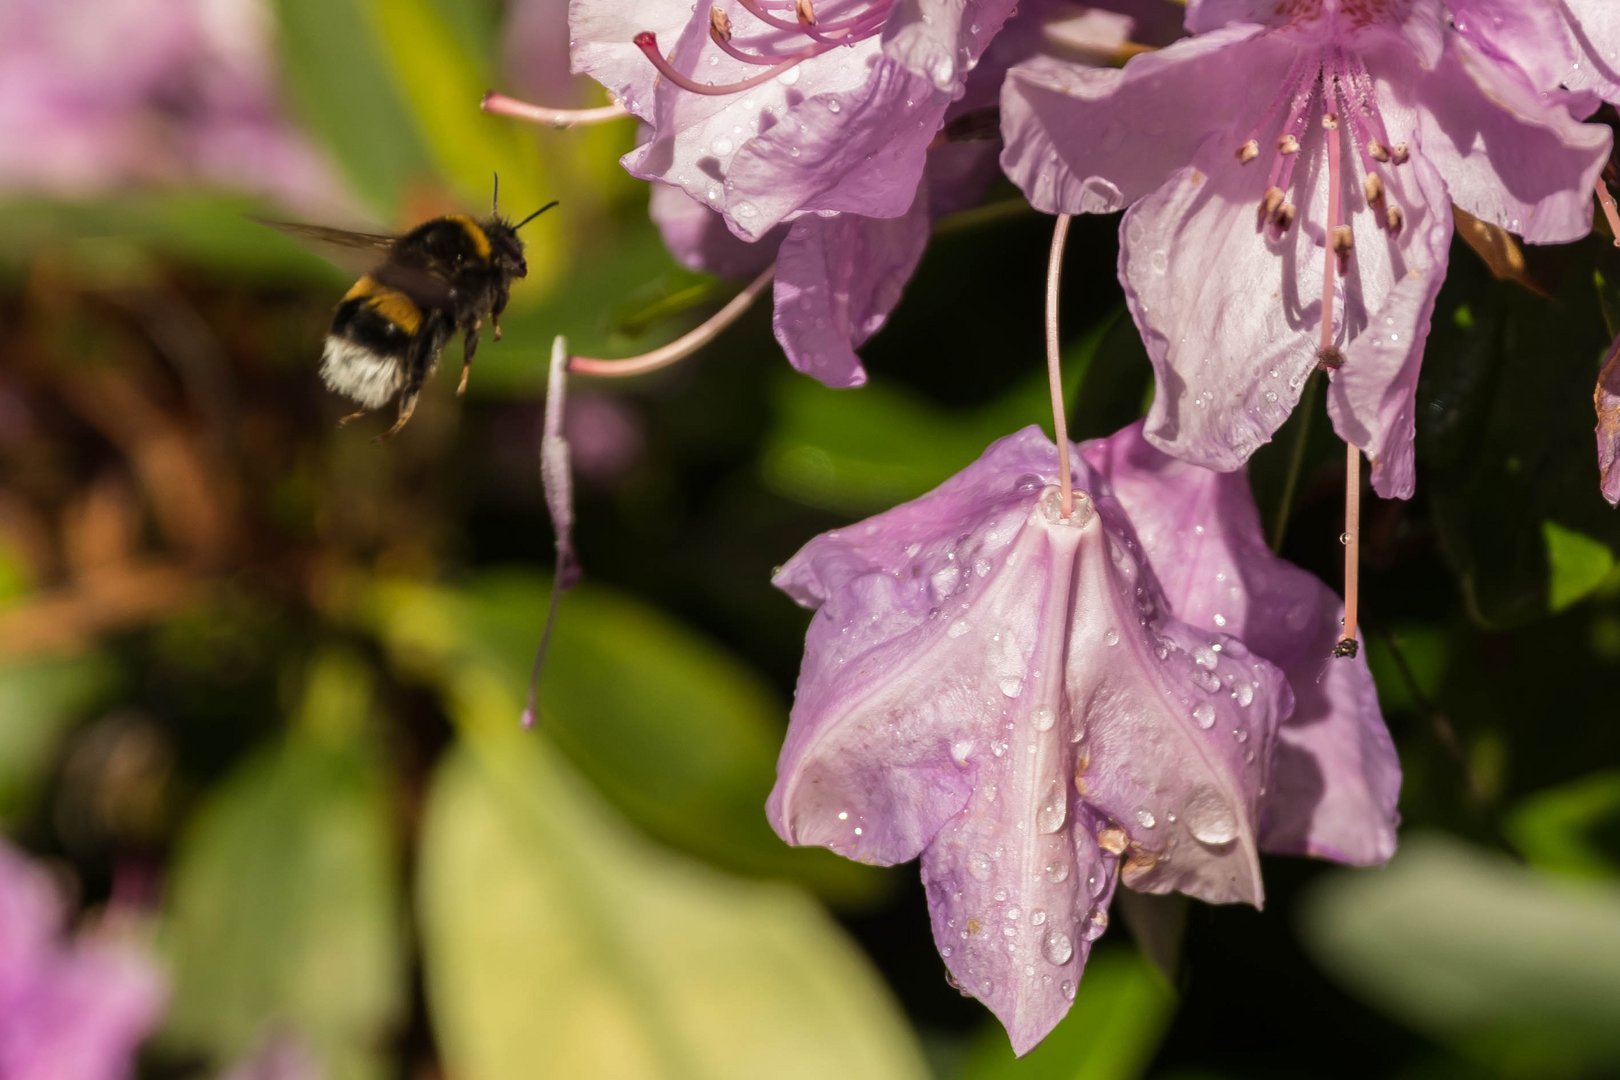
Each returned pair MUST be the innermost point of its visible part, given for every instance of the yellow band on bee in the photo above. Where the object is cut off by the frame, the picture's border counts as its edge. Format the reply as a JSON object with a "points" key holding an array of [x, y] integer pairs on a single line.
{"points": [[475, 232], [397, 308], [362, 288]]}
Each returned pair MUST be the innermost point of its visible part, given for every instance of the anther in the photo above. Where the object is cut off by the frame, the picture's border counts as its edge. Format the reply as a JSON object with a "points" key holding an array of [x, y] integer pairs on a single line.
{"points": [[1378, 151], [1400, 153], [1393, 218], [1343, 241], [719, 25], [1346, 648], [1288, 144], [1271, 201], [1329, 358], [1330, 121], [1373, 188], [1248, 151], [806, 13], [1285, 215]]}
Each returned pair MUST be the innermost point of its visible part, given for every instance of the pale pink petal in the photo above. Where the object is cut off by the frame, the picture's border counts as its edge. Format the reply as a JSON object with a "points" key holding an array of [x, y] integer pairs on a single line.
{"points": [[1091, 140], [837, 279], [1534, 36], [1595, 27], [1509, 155], [1335, 778], [699, 239]]}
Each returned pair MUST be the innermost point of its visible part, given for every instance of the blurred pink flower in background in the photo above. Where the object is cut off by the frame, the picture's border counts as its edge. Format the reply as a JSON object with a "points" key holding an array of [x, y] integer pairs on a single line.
{"points": [[108, 94], [70, 1009]]}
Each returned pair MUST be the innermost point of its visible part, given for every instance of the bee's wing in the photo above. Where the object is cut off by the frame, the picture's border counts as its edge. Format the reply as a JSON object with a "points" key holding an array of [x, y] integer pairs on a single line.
{"points": [[328, 235], [425, 288]]}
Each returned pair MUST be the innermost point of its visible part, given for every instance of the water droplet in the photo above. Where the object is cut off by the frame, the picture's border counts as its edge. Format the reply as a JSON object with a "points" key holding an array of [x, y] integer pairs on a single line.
{"points": [[1244, 692], [1220, 620], [1159, 261], [745, 210], [1057, 872], [1204, 713], [1145, 816], [979, 866], [1210, 818], [1111, 637], [1206, 657], [1011, 685], [1057, 947], [961, 750], [1037, 917], [788, 77], [1054, 808], [945, 951], [834, 105], [1208, 681], [958, 628], [943, 72], [943, 582], [1000, 893], [1095, 924], [722, 146], [1067, 988], [981, 567], [1042, 718]]}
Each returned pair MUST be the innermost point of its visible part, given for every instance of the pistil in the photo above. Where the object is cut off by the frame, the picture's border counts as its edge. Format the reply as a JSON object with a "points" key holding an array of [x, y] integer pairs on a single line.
{"points": [[1054, 370]]}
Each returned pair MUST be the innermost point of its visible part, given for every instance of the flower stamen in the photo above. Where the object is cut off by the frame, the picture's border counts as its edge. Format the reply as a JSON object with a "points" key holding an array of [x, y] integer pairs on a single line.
{"points": [[501, 105], [681, 347], [1054, 371]]}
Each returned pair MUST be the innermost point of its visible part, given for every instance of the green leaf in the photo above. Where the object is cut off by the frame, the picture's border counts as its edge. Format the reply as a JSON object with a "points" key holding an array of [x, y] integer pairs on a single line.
{"points": [[675, 732], [1576, 564], [855, 452], [1120, 1013], [283, 916], [38, 701], [556, 942], [1517, 968], [1571, 829], [344, 92]]}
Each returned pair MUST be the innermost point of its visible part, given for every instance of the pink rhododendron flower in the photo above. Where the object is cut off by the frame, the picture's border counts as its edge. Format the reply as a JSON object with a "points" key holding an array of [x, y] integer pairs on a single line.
{"points": [[1294, 164], [129, 92], [69, 1010], [1014, 695], [839, 275]]}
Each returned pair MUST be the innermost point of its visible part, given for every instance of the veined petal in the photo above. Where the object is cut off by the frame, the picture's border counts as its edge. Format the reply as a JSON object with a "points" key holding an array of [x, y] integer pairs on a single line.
{"points": [[1535, 36], [1595, 26], [1372, 398], [837, 279], [603, 34], [699, 239], [930, 37], [1091, 140], [1204, 16], [1335, 777], [1607, 400], [1508, 155]]}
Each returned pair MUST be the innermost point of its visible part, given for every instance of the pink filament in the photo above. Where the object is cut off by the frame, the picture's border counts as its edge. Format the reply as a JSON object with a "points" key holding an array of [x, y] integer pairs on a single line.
{"points": [[1606, 200], [681, 347], [501, 105], [647, 42], [1054, 371]]}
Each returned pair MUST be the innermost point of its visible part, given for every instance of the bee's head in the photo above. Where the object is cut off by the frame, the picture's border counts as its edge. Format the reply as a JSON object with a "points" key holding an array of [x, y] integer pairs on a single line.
{"points": [[506, 250]]}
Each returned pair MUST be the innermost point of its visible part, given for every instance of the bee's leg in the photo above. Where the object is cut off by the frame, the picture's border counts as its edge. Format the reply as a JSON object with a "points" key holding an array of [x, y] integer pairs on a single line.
{"points": [[352, 417], [407, 405], [469, 346]]}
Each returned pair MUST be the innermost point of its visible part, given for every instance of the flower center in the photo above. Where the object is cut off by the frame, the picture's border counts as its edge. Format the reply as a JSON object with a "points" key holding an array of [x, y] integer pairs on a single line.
{"points": [[1331, 86], [812, 34]]}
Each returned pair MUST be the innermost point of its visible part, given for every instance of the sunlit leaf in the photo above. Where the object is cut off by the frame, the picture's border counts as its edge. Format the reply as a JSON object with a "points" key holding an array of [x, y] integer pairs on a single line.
{"points": [[672, 729], [559, 943], [1515, 966], [1120, 1013], [1572, 829], [1577, 564], [283, 917]]}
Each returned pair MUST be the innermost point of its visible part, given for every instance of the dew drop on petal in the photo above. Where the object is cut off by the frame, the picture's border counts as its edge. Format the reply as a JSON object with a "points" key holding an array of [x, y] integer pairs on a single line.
{"points": [[789, 77], [834, 105], [1094, 925], [1206, 657], [1067, 988], [1057, 947], [958, 628], [1111, 637], [1210, 818], [1037, 917], [1043, 718], [979, 865], [1204, 713], [1011, 685], [1054, 808], [1057, 872], [1146, 818]]}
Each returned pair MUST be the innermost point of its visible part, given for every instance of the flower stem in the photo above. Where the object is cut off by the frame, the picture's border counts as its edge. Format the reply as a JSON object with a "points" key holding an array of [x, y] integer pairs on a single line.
{"points": [[683, 346], [1054, 370], [501, 105]]}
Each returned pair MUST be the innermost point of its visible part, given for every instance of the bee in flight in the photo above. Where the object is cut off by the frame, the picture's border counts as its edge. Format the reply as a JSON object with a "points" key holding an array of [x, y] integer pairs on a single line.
{"points": [[439, 279]]}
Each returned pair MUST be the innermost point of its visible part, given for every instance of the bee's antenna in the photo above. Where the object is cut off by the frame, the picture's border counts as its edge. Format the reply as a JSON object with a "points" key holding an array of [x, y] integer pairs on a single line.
{"points": [[534, 215], [495, 198]]}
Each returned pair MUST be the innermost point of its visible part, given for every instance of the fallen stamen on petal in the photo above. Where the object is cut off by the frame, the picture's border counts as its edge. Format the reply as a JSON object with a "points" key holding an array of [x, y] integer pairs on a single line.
{"points": [[681, 347], [501, 105]]}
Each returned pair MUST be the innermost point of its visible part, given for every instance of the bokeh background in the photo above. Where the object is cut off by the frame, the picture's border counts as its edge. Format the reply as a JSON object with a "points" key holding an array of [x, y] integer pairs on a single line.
{"points": [[260, 677]]}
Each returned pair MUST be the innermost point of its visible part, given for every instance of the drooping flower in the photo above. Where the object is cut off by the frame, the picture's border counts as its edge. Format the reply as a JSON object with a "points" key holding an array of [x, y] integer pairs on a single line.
{"points": [[1002, 689], [69, 1010], [1607, 400], [1289, 174], [839, 275], [1335, 777]]}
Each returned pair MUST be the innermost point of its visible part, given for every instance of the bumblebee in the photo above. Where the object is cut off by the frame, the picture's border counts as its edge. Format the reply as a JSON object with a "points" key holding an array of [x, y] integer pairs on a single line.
{"points": [[441, 278]]}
